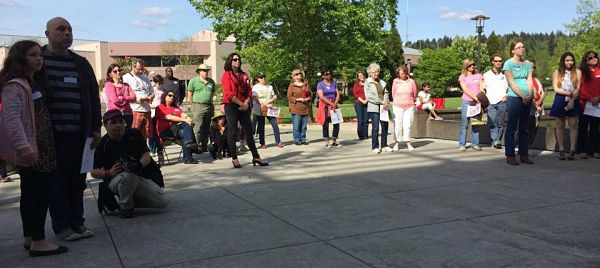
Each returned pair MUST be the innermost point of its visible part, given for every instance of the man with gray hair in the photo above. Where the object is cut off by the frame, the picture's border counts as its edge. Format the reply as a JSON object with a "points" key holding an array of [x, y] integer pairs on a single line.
{"points": [[75, 112]]}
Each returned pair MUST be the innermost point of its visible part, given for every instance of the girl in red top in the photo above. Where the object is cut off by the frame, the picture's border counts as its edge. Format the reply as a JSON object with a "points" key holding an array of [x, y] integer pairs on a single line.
{"points": [[237, 98], [360, 105], [588, 136]]}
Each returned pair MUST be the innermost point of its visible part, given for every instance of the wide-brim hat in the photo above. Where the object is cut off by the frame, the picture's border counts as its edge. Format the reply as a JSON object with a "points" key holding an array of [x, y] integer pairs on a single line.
{"points": [[203, 67], [217, 115]]}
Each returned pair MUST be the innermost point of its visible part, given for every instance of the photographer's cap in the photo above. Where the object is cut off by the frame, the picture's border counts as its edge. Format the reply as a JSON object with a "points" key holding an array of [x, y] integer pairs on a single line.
{"points": [[110, 114]]}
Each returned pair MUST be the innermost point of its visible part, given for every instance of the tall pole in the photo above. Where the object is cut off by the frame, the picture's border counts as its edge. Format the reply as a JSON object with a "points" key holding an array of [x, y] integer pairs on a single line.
{"points": [[479, 20]]}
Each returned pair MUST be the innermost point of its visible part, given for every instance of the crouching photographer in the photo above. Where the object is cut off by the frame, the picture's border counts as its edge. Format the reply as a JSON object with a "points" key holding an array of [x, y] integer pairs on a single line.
{"points": [[123, 161]]}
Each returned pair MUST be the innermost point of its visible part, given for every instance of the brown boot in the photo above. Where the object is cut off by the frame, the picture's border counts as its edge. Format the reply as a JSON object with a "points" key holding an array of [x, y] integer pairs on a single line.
{"points": [[525, 159], [511, 160]]}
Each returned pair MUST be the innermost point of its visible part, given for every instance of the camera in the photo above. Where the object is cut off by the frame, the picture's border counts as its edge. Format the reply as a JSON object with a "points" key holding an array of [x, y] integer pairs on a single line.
{"points": [[130, 164]]}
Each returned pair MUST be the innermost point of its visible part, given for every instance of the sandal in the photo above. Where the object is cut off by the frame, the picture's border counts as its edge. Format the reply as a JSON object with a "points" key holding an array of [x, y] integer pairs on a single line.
{"points": [[561, 155], [571, 155], [7, 179]]}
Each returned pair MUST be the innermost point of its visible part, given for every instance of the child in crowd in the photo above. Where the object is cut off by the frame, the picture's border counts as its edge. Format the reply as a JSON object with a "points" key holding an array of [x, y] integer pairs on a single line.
{"points": [[424, 102], [218, 137]]}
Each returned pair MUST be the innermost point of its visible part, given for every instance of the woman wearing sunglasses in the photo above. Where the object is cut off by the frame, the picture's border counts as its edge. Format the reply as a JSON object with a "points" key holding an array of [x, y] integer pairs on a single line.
{"points": [[471, 83], [118, 94], [588, 141], [172, 122]]}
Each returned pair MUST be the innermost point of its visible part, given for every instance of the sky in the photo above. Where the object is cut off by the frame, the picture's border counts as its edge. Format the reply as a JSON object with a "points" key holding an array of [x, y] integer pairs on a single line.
{"points": [[163, 20]]}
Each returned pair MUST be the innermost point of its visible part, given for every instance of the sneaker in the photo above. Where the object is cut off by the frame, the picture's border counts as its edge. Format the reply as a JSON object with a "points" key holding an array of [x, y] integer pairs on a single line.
{"points": [[305, 143], [476, 148], [68, 235], [437, 118], [126, 213], [410, 147], [191, 161], [376, 151], [387, 149], [85, 232], [298, 143], [462, 148], [396, 147]]}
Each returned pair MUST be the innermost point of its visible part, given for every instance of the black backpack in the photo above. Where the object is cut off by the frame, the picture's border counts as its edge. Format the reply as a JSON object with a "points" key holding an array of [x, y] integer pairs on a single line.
{"points": [[106, 200]]}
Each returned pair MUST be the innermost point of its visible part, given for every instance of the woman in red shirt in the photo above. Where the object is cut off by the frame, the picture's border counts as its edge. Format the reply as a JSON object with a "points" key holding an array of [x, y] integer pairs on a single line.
{"points": [[237, 96], [360, 105], [171, 122], [588, 139]]}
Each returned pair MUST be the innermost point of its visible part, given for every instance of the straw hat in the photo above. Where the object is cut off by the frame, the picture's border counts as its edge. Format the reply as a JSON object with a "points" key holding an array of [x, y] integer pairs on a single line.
{"points": [[217, 115], [202, 67]]}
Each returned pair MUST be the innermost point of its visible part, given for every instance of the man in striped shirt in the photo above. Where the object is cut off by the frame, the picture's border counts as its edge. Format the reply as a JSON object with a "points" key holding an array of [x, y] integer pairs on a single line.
{"points": [[75, 112]]}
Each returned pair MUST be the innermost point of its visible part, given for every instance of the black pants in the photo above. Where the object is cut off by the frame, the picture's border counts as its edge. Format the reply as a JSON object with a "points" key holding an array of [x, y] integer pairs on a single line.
{"points": [[234, 116], [35, 194], [66, 206], [336, 127], [588, 137]]}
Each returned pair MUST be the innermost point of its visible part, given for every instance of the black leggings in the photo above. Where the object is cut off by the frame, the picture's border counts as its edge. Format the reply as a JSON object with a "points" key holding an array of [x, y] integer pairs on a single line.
{"points": [[233, 116], [35, 194]]}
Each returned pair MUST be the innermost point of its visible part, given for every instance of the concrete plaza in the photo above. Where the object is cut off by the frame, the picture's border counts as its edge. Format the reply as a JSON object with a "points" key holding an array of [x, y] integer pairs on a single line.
{"points": [[344, 207]]}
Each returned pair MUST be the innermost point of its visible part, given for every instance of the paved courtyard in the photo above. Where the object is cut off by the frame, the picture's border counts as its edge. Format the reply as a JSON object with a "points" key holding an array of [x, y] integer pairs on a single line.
{"points": [[345, 207]]}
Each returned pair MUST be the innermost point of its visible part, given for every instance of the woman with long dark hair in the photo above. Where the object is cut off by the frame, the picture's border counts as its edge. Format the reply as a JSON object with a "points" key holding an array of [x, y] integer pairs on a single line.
{"points": [[172, 122], [588, 141], [26, 139], [565, 82], [118, 94], [360, 105], [329, 97], [520, 95], [237, 96]]}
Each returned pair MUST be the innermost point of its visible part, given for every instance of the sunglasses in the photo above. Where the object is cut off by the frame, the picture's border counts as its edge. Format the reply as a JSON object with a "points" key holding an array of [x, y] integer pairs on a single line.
{"points": [[472, 65], [116, 71], [235, 59], [170, 95], [297, 74], [497, 61], [326, 74], [591, 57]]}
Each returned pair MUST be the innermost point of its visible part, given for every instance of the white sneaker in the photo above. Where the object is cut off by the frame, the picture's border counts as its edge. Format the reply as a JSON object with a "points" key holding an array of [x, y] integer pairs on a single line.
{"points": [[410, 147], [395, 147], [387, 149], [376, 151], [438, 118]]}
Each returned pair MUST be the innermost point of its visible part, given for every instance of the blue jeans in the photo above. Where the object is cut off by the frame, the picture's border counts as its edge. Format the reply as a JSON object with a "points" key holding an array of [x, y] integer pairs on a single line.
{"points": [[375, 131], [464, 124], [261, 128], [496, 115], [362, 120], [153, 141], [299, 125], [518, 118], [186, 134]]}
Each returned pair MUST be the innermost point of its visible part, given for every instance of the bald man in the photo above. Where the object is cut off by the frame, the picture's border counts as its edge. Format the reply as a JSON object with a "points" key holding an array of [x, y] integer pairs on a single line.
{"points": [[75, 112]]}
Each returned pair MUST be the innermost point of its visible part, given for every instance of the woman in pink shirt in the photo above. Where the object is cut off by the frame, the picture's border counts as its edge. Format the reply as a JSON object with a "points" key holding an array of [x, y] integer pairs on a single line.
{"points": [[471, 83], [118, 94], [404, 91]]}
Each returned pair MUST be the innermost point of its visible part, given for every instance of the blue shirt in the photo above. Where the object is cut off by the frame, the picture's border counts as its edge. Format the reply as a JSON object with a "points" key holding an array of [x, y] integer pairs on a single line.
{"points": [[329, 92], [520, 71]]}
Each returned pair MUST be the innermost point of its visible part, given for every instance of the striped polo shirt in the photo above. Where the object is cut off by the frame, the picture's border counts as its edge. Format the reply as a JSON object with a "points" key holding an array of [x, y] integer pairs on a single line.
{"points": [[63, 79]]}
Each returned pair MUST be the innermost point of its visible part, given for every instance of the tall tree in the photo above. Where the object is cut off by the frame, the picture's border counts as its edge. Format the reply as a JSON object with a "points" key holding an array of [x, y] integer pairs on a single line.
{"points": [[494, 44], [441, 68], [586, 27], [393, 54], [183, 54], [466, 48]]}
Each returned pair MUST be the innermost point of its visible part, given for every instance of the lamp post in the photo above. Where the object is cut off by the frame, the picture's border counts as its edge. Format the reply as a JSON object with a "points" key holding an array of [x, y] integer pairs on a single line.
{"points": [[479, 21]]}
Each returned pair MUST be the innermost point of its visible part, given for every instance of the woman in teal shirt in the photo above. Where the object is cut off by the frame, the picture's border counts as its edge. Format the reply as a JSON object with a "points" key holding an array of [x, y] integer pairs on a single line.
{"points": [[520, 94]]}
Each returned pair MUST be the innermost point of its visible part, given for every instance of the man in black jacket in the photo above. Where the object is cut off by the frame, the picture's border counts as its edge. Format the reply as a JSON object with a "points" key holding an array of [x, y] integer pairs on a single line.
{"points": [[74, 105], [172, 83], [123, 160]]}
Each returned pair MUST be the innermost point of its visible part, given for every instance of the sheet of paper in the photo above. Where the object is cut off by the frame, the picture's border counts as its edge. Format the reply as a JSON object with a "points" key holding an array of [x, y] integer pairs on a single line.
{"points": [[591, 110], [336, 116], [87, 161], [273, 111], [473, 110], [384, 114]]}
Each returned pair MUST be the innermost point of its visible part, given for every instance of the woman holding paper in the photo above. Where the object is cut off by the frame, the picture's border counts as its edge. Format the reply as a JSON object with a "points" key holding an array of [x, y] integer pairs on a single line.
{"points": [[519, 75], [565, 82], [378, 98], [329, 98], [263, 98], [471, 83], [404, 90], [588, 141]]}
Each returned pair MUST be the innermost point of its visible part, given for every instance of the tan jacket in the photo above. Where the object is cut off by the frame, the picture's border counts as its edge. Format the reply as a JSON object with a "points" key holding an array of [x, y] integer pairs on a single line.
{"points": [[295, 92]]}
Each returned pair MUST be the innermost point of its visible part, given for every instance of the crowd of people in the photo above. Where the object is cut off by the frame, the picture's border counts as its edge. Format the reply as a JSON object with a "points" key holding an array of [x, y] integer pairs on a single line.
{"points": [[50, 110]]}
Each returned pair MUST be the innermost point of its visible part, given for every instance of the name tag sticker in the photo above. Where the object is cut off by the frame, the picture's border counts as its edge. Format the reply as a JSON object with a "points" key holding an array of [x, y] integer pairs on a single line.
{"points": [[70, 79], [36, 95]]}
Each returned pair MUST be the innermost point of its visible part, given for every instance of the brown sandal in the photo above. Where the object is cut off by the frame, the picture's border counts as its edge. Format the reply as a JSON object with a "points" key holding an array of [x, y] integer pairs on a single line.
{"points": [[571, 155], [561, 155]]}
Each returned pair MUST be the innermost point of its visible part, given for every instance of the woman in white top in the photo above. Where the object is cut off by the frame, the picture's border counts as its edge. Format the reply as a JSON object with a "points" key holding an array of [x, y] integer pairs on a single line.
{"points": [[263, 98]]}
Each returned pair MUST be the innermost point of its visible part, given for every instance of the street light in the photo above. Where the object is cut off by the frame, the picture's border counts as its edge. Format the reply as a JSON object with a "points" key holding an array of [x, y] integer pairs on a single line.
{"points": [[479, 21]]}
